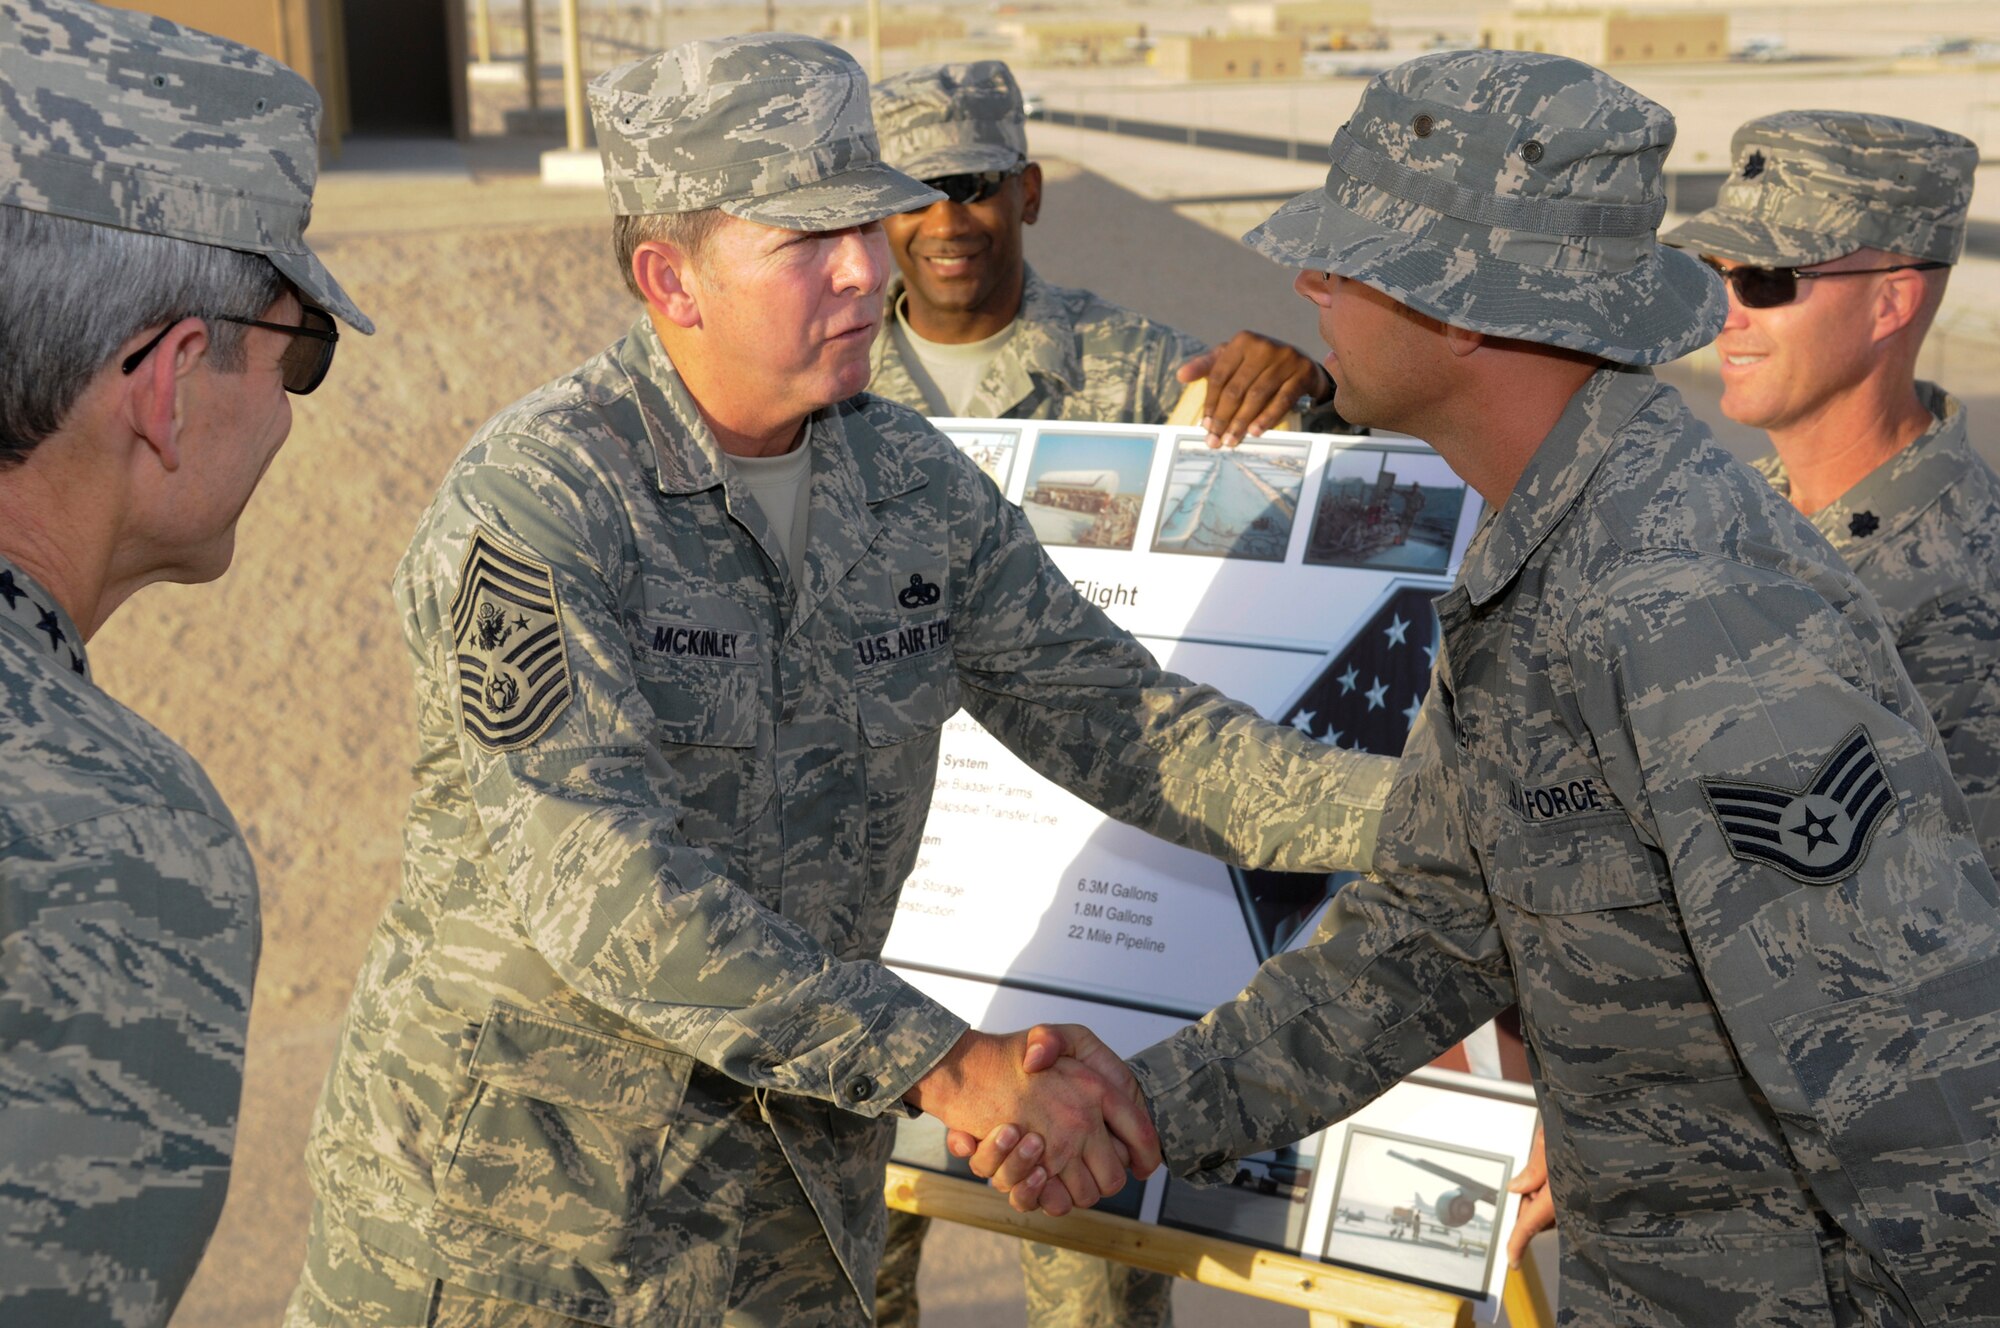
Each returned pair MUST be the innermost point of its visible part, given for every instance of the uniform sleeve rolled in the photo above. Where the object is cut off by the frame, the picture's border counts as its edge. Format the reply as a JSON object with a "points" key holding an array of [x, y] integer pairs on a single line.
{"points": [[1408, 962], [128, 947], [1077, 698], [585, 822]]}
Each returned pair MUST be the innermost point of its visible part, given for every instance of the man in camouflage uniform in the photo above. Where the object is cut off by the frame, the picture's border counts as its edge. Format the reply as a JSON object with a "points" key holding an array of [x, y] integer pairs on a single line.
{"points": [[150, 325], [622, 1051], [1878, 461], [1670, 788], [973, 331], [1007, 345]]}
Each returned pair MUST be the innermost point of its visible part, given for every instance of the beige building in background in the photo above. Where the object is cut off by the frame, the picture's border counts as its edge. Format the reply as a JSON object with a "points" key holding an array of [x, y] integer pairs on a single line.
{"points": [[1609, 36], [1184, 57], [1073, 40], [1303, 18], [900, 29]]}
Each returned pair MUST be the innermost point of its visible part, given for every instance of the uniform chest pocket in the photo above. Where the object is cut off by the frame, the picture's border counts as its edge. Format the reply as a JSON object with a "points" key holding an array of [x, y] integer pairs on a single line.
{"points": [[1608, 985], [905, 681], [559, 1135], [903, 704], [701, 677]]}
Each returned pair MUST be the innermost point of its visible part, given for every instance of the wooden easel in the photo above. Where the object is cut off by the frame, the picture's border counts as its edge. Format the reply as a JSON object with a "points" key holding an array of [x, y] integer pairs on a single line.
{"points": [[1333, 1297]]}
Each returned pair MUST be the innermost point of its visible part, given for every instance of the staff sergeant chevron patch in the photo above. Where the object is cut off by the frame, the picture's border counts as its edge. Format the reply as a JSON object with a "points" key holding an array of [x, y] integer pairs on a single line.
{"points": [[1818, 834], [513, 673]]}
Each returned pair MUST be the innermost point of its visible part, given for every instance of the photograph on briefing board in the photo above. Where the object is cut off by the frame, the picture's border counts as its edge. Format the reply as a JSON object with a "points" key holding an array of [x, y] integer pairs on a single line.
{"points": [[1264, 1202], [1240, 502], [992, 450], [1085, 489], [1387, 509], [1417, 1209]]}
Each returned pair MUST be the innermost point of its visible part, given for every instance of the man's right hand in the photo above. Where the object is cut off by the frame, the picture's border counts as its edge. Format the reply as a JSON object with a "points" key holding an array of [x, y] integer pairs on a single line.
{"points": [[1089, 1127], [1010, 1158]]}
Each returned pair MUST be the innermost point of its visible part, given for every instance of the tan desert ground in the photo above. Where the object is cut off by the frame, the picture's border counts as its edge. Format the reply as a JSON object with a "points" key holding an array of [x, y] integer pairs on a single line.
{"points": [[288, 679]]}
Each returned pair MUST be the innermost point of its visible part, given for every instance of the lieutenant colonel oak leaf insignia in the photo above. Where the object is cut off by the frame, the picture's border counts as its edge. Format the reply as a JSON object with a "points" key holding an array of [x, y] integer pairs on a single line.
{"points": [[513, 673], [1818, 834]]}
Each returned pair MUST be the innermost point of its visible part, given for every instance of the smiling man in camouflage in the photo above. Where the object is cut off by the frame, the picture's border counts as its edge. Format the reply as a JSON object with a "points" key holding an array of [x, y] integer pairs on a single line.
{"points": [[1837, 232], [1756, 947], [157, 303], [972, 330], [686, 624]]}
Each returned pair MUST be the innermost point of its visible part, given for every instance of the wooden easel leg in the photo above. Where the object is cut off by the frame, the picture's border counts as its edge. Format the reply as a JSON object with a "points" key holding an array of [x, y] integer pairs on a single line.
{"points": [[1326, 1319], [1522, 1297]]}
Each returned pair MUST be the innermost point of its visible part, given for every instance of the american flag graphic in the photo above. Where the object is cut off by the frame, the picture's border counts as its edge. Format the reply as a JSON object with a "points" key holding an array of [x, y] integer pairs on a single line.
{"points": [[1365, 697]]}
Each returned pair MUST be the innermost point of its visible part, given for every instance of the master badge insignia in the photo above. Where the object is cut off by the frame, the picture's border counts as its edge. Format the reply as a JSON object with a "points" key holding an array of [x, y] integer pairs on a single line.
{"points": [[1818, 834], [513, 672]]}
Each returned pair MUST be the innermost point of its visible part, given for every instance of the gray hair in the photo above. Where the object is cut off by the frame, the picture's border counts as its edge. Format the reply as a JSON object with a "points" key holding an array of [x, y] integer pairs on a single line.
{"points": [[72, 293], [685, 231]]}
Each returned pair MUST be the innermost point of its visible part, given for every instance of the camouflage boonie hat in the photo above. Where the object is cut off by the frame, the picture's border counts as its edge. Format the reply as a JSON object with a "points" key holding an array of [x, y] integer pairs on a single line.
{"points": [[952, 119], [771, 127], [122, 119], [1512, 194], [1808, 186]]}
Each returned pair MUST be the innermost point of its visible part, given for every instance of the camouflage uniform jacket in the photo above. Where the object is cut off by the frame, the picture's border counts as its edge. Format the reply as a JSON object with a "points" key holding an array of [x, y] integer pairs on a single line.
{"points": [[1765, 1027], [1923, 534], [128, 944], [647, 880]]}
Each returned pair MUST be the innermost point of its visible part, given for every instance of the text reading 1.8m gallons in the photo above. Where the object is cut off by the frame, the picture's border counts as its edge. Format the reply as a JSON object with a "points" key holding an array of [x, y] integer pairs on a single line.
{"points": [[1111, 901]]}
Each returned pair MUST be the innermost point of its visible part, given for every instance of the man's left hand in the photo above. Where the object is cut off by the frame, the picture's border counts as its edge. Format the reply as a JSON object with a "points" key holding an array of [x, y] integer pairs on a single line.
{"points": [[1252, 382]]}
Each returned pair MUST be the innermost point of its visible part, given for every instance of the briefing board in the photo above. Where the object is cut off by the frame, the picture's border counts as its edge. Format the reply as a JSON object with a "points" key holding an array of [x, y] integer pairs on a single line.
{"points": [[1294, 573]]}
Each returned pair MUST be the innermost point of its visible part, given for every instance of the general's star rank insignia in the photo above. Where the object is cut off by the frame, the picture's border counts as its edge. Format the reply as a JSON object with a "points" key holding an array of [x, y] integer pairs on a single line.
{"points": [[1818, 834], [513, 673]]}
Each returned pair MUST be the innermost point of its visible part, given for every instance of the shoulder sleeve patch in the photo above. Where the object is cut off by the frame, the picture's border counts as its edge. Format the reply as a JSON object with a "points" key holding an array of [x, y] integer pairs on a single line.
{"points": [[513, 669], [1818, 834]]}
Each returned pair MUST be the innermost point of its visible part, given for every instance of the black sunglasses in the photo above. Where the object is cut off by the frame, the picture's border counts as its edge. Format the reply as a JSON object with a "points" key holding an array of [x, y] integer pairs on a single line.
{"points": [[973, 186], [306, 359], [1769, 287]]}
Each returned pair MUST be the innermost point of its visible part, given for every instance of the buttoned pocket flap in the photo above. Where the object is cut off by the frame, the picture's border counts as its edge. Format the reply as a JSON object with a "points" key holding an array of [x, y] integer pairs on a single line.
{"points": [[1576, 867], [580, 1068], [904, 700]]}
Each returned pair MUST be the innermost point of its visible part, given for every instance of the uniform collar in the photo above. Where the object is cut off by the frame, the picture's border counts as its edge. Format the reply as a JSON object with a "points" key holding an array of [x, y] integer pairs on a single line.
{"points": [[32, 614], [1555, 478], [1044, 344], [1890, 498]]}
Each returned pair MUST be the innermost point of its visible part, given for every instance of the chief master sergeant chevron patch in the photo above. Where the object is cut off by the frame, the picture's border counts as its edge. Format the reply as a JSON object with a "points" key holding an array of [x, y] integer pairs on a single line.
{"points": [[1818, 834], [513, 673]]}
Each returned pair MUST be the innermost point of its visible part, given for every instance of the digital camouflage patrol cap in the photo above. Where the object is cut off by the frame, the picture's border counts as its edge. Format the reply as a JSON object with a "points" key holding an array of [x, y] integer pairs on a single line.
{"points": [[771, 127], [1512, 194], [122, 119], [1807, 186], [955, 119]]}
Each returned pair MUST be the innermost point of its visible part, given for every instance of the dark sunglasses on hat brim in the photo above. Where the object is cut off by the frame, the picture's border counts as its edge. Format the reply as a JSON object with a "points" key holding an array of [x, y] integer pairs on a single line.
{"points": [[308, 355], [973, 186], [1769, 287]]}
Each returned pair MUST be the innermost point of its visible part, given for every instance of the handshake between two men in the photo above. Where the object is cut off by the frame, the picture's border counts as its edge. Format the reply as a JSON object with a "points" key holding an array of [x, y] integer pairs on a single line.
{"points": [[1051, 1116]]}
